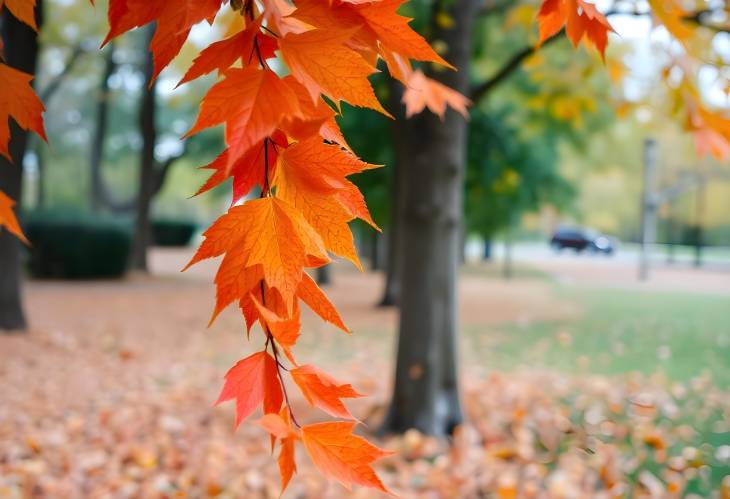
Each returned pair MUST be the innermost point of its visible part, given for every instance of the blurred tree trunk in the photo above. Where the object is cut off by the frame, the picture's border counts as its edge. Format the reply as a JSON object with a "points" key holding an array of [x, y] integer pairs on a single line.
{"points": [[391, 290], [487, 249], [507, 269], [154, 175], [376, 249], [21, 52], [426, 395], [324, 275], [99, 195], [36, 143], [148, 130]]}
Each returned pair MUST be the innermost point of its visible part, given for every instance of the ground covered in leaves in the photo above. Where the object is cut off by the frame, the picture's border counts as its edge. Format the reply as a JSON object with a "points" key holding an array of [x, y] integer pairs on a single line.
{"points": [[110, 395]]}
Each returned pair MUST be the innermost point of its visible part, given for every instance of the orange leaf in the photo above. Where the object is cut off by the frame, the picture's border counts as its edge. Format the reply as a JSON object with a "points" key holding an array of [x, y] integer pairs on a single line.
{"points": [[311, 176], [285, 330], [19, 102], [251, 102], [317, 118], [7, 217], [251, 381], [394, 33], [340, 455], [223, 54], [267, 232], [277, 15], [174, 20], [287, 462], [321, 61], [247, 171], [323, 391], [423, 92], [280, 427], [581, 18], [310, 294], [23, 10]]}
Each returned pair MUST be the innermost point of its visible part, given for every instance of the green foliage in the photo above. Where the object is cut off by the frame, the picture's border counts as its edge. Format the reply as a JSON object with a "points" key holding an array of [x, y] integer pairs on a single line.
{"points": [[369, 135], [173, 233], [508, 175], [71, 245]]}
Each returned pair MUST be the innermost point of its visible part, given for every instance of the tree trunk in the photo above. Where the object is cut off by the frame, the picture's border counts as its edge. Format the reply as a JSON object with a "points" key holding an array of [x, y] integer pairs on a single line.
{"points": [[375, 248], [147, 180], [426, 395], [487, 249], [400, 149], [324, 275], [42, 188], [98, 194], [21, 52], [507, 264]]}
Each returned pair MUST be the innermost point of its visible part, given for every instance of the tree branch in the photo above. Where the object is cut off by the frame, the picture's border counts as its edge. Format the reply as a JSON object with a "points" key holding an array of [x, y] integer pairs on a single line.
{"points": [[495, 7], [482, 89], [163, 168], [56, 82]]}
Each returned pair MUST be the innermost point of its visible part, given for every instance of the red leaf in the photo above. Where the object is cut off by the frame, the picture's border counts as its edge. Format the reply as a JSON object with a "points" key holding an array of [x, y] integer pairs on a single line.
{"points": [[251, 381]]}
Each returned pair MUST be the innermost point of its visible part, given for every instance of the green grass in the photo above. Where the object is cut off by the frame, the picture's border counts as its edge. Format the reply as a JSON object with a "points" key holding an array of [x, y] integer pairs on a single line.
{"points": [[677, 335], [621, 331]]}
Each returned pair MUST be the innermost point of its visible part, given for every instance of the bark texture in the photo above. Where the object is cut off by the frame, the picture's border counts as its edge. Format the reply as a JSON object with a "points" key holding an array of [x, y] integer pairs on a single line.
{"points": [[391, 290], [21, 52], [148, 130], [426, 395]]}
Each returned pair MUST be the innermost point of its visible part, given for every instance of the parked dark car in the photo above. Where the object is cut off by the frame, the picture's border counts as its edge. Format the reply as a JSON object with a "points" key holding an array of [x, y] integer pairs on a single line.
{"points": [[581, 239]]}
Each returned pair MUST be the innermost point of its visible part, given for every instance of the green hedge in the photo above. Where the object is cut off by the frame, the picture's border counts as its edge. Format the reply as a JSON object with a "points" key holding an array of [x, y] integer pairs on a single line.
{"points": [[173, 232], [77, 246]]}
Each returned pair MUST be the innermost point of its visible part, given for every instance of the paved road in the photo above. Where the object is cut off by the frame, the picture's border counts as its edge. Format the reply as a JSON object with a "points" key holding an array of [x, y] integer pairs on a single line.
{"points": [[621, 269]]}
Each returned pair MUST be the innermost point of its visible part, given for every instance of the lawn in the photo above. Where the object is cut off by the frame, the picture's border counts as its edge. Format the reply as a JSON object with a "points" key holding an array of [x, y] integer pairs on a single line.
{"points": [[619, 331], [679, 341]]}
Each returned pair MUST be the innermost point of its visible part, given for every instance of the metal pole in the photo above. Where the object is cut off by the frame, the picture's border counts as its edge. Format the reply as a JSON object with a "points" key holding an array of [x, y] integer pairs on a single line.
{"points": [[648, 208], [699, 223]]}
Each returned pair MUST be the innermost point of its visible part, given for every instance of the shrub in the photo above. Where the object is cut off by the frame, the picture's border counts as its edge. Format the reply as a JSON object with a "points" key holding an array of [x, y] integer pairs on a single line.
{"points": [[77, 246], [173, 232]]}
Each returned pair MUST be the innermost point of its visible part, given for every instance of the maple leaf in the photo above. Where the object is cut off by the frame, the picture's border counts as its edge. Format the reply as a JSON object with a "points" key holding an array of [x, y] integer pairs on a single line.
{"points": [[19, 102], [7, 217], [251, 102], [278, 16], [285, 330], [311, 176], [711, 131], [320, 60], [222, 54], [267, 232], [309, 293], [340, 455], [279, 426], [174, 20], [423, 92], [376, 27], [671, 15], [394, 33], [581, 18], [251, 381], [316, 118], [323, 391], [247, 171], [23, 10]]}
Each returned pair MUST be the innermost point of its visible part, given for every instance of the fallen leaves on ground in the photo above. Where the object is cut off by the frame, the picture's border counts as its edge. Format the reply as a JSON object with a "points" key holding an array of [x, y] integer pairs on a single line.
{"points": [[132, 415]]}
